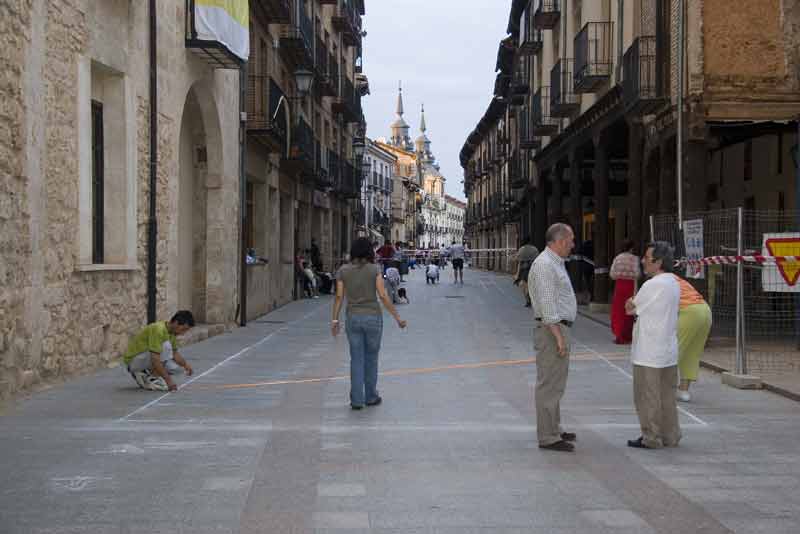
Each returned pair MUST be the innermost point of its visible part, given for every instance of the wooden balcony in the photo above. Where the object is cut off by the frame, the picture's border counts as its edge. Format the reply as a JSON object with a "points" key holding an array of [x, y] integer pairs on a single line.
{"points": [[642, 86], [594, 56]]}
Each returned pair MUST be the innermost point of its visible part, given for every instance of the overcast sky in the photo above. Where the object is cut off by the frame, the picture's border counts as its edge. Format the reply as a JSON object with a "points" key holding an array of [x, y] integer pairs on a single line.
{"points": [[444, 51]]}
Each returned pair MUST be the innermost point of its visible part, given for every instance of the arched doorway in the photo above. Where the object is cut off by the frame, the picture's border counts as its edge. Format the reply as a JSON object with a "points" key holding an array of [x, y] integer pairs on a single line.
{"points": [[192, 211]]}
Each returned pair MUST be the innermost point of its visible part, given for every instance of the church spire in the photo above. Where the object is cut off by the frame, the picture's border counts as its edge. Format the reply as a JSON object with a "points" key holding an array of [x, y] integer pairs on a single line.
{"points": [[400, 136], [400, 100], [423, 144]]}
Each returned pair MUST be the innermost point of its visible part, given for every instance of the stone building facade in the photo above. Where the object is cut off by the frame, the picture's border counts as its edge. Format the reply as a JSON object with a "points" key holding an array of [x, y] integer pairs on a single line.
{"points": [[454, 220], [304, 178], [75, 174], [583, 124], [377, 192]]}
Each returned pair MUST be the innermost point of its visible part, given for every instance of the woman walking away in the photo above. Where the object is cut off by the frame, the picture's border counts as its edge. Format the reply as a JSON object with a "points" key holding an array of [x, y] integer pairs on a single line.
{"points": [[624, 271], [361, 282], [694, 325]]}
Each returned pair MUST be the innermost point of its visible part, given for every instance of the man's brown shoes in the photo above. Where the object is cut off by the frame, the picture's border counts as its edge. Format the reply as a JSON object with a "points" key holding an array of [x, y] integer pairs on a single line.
{"points": [[561, 445]]}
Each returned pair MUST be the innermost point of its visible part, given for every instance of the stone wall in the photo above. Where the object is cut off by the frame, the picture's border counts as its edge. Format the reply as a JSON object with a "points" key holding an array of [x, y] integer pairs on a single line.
{"points": [[58, 316], [751, 59]]}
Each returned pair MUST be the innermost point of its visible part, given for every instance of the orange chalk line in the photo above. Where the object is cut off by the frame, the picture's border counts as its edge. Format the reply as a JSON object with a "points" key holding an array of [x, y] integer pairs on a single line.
{"points": [[398, 372]]}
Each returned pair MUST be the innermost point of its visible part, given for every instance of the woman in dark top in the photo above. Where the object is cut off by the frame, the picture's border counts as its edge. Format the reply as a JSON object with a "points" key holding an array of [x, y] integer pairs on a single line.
{"points": [[361, 282]]}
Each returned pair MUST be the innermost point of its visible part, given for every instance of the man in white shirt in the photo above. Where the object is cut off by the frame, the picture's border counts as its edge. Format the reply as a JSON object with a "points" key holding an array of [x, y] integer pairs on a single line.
{"points": [[457, 252], [555, 310], [654, 352]]}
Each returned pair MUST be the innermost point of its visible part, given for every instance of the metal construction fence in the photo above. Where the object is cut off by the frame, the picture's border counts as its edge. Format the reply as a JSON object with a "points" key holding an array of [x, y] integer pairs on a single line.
{"points": [[745, 263]]}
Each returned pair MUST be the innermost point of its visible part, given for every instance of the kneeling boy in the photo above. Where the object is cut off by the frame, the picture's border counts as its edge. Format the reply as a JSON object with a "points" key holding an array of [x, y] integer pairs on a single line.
{"points": [[153, 356]]}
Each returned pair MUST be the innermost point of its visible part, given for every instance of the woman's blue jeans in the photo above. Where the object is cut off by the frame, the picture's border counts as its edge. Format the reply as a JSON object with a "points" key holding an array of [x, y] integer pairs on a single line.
{"points": [[364, 333]]}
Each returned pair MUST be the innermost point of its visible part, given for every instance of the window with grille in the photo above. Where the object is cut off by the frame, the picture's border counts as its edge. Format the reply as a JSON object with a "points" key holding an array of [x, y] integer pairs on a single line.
{"points": [[98, 202]]}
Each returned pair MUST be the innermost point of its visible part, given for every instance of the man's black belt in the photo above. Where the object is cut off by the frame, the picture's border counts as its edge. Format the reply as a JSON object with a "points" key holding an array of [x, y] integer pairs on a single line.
{"points": [[562, 321]]}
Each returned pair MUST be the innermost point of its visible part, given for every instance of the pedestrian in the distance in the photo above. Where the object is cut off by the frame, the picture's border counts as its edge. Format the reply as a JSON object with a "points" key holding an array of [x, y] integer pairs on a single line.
{"points": [[694, 325], [654, 352], [525, 257], [361, 283], [555, 309], [625, 272]]}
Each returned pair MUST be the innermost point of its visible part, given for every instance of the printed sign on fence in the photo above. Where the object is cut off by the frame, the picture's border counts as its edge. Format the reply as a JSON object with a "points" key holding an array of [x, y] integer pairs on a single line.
{"points": [[693, 240], [781, 277]]}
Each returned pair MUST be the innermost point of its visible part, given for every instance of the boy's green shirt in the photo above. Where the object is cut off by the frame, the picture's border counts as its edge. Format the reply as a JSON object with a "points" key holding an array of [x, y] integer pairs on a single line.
{"points": [[150, 339]]}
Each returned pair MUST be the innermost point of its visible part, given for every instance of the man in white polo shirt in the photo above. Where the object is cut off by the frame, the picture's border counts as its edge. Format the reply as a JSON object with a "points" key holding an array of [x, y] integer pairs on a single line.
{"points": [[654, 352]]}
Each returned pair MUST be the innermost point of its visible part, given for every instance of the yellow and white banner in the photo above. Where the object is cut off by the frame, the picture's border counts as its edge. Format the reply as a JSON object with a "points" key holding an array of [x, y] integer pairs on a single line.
{"points": [[224, 21]]}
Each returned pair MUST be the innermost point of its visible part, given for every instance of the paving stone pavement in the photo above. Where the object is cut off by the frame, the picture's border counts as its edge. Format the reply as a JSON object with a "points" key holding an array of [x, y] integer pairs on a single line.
{"points": [[262, 439]]}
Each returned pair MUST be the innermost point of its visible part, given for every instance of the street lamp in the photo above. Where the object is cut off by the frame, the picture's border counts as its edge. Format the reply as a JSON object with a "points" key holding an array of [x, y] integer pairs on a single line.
{"points": [[303, 79], [358, 147]]}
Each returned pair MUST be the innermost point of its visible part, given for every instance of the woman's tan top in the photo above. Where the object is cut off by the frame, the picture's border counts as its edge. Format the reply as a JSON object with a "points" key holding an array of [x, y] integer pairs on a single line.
{"points": [[360, 288]]}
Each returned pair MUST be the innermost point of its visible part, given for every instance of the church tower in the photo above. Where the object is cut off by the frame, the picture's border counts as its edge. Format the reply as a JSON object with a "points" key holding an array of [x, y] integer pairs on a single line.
{"points": [[400, 136]]}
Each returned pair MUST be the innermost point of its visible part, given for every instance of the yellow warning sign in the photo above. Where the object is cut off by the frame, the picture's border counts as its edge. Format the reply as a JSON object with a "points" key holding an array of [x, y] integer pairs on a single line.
{"points": [[783, 275]]}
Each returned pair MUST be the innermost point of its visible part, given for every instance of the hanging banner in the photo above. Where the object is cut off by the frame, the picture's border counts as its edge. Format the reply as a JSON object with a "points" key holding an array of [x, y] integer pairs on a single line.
{"points": [[782, 276], [693, 240], [224, 21]]}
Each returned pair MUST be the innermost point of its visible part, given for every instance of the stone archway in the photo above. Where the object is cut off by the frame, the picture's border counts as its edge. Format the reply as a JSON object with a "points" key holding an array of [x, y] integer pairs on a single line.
{"points": [[199, 181]]}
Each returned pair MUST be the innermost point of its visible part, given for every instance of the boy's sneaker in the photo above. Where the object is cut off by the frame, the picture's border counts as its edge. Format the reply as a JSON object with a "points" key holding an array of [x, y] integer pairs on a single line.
{"points": [[140, 377], [156, 383]]}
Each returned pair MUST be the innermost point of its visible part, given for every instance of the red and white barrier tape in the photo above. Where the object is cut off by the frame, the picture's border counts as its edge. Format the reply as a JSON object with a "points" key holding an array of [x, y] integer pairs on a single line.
{"points": [[721, 260]]}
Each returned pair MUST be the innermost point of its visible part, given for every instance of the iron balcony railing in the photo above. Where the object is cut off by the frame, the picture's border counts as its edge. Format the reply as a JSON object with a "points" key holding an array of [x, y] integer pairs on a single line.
{"points": [[563, 100], [265, 117], [216, 54], [297, 38], [333, 75], [641, 84], [273, 11], [350, 101], [531, 38], [320, 57], [302, 143], [334, 167], [519, 174], [546, 14], [350, 181], [348, 22], [521, 85], [543, 123], [322, 163], [594, 56]]}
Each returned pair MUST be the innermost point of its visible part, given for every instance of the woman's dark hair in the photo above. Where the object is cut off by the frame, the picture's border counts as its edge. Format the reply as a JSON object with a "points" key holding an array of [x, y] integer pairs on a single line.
{"points": [[361, 249], [183, 317], [627, 246]]}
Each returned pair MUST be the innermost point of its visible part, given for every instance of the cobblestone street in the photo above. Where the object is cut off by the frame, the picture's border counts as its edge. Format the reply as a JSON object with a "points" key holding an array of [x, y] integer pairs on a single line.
{"points": [[262, 439]]}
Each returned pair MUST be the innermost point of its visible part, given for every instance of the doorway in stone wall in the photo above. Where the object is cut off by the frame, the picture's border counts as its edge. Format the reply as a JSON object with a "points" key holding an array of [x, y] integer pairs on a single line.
{"points": [[192, 209]]}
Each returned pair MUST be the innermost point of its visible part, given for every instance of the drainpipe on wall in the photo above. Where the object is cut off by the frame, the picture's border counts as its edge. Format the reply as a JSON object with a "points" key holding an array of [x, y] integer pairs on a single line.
{"points": [[242, 197], [620, 37], [679, 151], [152, 223]]}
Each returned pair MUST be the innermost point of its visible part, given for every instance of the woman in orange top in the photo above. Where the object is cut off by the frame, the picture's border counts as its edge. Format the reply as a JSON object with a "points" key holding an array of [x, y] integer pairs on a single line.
{"points": [[694, 325]]}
